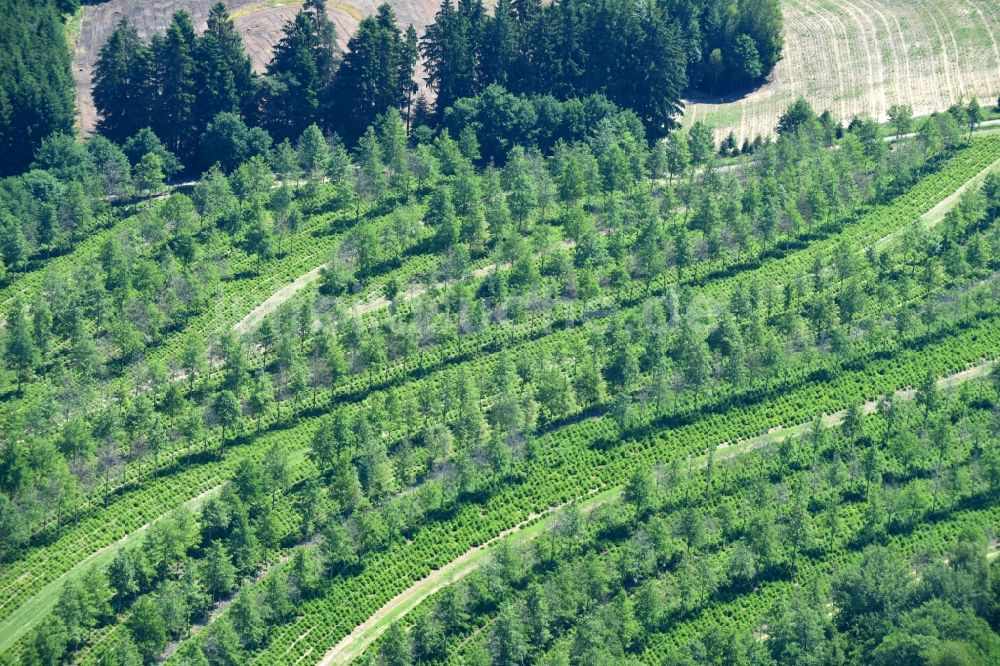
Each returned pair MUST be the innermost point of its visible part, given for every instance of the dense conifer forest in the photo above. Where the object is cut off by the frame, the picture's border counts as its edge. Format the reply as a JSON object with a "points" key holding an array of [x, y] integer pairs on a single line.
{"points": [[36, 86], [502, 366], [178, 82]]}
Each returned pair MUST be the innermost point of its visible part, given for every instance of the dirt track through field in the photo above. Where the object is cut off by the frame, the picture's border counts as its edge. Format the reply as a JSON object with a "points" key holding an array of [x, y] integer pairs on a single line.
{"points": [[938, 212], [859, 57], [351, 647], [275, 300]]}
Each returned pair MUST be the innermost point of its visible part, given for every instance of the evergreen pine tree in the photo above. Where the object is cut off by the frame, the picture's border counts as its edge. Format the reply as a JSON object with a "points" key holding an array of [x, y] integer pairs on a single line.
{"points": [[36, 85], [407, 66], [526, 10], [660, 78], [570, 50], [501, 41], [223, 73], [175, 73], [449, 55], [20, 352], [302, 68], [375, 76], [121, 84]]}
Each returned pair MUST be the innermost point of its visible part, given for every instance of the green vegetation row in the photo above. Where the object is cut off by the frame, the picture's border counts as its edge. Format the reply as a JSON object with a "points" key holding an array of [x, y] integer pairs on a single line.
{"points": [[486, 432], [185, 480], [475, 519], [330, 618], [129, 452], [689, 546]]}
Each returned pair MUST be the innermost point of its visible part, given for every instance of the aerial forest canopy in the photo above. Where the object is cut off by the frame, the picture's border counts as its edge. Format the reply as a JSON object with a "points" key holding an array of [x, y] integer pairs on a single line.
{"points": [[36, 86], [477, 340], [501, 371], [641, 56]]}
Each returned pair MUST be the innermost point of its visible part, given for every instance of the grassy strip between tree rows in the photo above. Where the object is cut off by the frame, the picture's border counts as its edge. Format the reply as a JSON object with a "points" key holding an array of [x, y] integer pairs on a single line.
{"points": [[200, 479], [570, 462]]}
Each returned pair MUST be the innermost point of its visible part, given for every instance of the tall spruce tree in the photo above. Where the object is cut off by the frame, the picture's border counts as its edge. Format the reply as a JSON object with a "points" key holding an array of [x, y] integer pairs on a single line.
{"points": [[36, 86], [450, 57], [122, 78], [375, 76], [526, 10], [569, 51], [411, 53], [175, 74], [659, 77], [501, 41], [223, 71], [303, 66], [474, 15]]}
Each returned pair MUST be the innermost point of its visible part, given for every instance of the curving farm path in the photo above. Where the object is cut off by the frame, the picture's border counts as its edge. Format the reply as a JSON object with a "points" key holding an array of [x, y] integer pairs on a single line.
{"points": [[354, 644]]}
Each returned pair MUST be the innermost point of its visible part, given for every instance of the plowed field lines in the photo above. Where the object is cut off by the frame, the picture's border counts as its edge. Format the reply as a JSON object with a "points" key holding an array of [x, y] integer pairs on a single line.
{"points": [[859, 57]]}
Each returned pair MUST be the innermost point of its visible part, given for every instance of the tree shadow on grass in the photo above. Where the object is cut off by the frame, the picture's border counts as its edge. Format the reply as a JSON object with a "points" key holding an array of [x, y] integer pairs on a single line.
{"points": [[727, 96]]}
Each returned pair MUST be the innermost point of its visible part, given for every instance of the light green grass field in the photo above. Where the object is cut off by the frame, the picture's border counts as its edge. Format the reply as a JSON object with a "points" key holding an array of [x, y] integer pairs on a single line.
{"points": [[859, 57]]}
